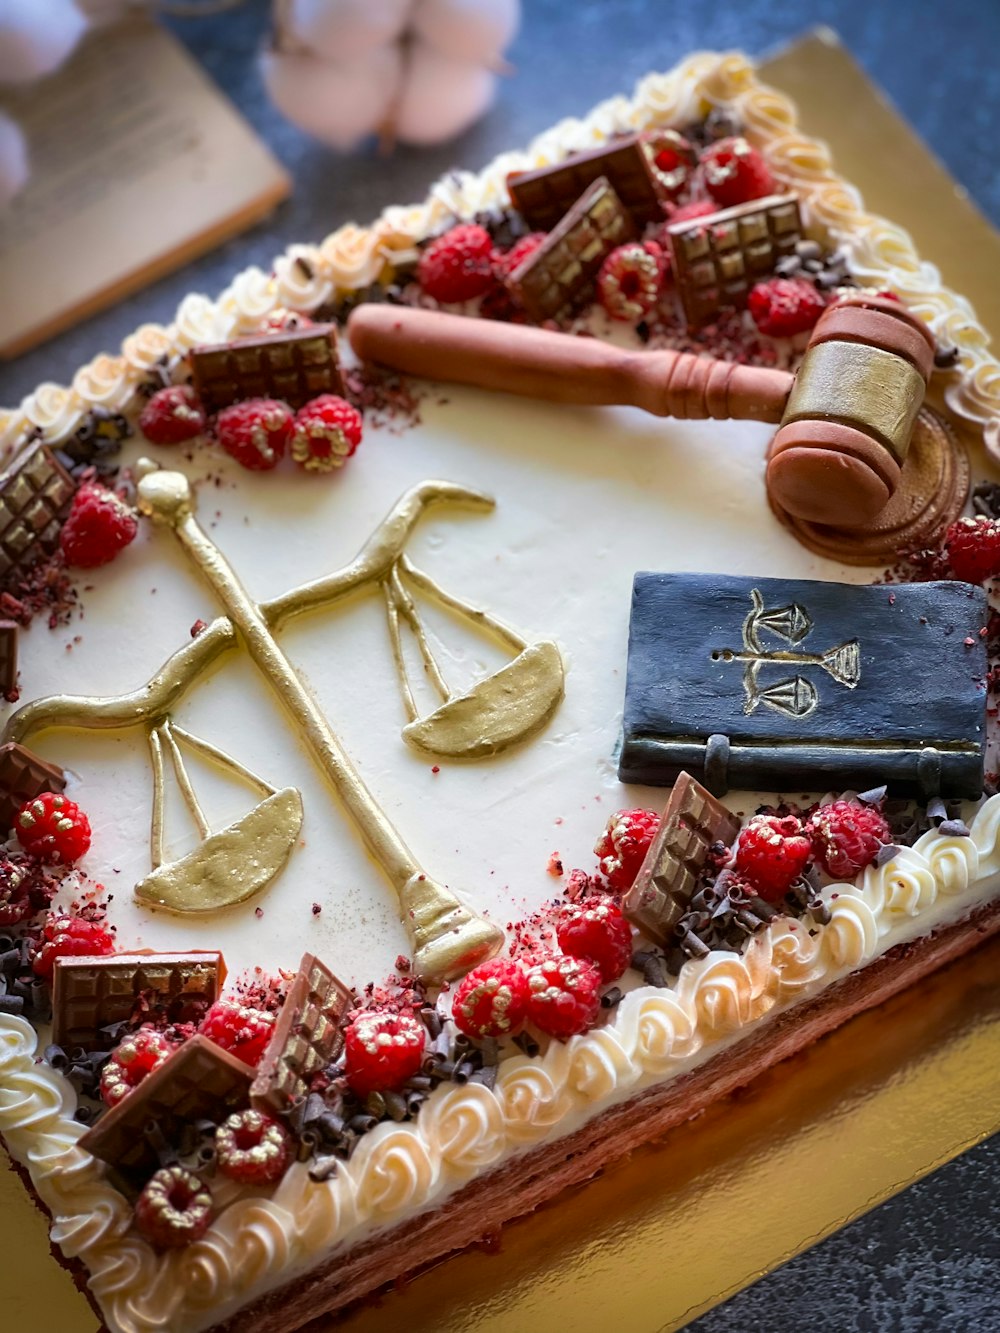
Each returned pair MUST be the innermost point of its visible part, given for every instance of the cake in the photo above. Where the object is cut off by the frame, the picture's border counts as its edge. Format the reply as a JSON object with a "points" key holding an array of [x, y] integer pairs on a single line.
{"points": [[584, 500]]}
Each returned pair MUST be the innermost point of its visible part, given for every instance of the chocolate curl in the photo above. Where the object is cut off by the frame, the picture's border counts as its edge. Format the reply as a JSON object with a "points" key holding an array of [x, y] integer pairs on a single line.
{"points": [[12, 1004], [154, 1136], [56, 1057], [612, 997], [653, 966], [487, 1076], [324, 1168]]}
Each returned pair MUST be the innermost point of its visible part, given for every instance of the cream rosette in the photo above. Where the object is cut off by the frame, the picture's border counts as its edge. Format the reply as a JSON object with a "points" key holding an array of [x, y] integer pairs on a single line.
{"points": [[658, 1027], [766, 114], [258, 1234], [954, 862], [667, 99], [393, 1170], [14, 425], [463, 1127], [851, 935], [302, 280], [904, 886], [135, 1286], [977, 394], [321, 1210], [150, 346], [796, 957], [352, 258], [533, 1093], [249, 299], [600, 1063], [200, 321], [985, 831], [108, 381], [720, 992], [54, 410], [198, 1277]]}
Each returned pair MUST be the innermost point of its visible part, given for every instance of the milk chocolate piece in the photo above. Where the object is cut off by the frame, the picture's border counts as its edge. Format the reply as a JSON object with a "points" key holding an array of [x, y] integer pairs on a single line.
{"points": [[23, 776], [199, 1081], [559, 275], [8, 655], [91, 993], [293, 365], [35, 497], [307, 1037], [543, 196], [692, 821], [718, 258]]}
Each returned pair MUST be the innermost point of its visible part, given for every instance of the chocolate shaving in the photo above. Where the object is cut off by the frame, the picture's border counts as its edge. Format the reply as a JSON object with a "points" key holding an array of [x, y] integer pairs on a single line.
{"points": [[875, 796], [612, 997], [527, 1044], [954, 828], [323, 1168]]}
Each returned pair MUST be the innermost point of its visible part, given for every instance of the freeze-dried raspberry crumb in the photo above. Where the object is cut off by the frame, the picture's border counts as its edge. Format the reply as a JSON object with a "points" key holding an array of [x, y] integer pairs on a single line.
{"points": [[253, 1148], [630, 280], [771, 853], [173, 415], [174, 1209], [281, 320], [15, 895], [622, 847], [238, 1028], [735, 173], [491, 1000], [382, 1050], [458, 266], [69, 935], [697, 208], [98, 526], [846, 837], [327, 432], [53, 829], [564, 995], [595, 929], [505, 264], [135, 1056], [255, 432], [783, 307], [972, 549]]}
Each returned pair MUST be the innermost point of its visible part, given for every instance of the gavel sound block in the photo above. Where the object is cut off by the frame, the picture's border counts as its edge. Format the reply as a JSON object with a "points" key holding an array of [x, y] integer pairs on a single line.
{"points": [[845, 419]]}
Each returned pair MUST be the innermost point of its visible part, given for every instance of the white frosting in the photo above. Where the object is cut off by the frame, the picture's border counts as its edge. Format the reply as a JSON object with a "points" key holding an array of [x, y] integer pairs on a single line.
{"points": [[584, 499]]}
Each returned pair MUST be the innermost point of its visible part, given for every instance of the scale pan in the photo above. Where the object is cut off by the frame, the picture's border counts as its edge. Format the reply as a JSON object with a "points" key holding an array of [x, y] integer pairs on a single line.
{"points": [[232, 865], [498, 712]]}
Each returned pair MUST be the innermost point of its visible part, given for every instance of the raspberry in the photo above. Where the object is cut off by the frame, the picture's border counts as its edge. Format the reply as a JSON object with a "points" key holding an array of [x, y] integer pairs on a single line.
{"points": [[98, 527], [491, 1000], [846, 837], [458, 266], [623, 845], [255, 432], [382, 1050], [53, 829], [772, 852], [135, 1056], [327, 431], [734, 172], [783, 307], [972, 546], [672, 158], [697, 208], [174, 1209], [630, 280], [564, 995], [173, 415], [505, 264], [66, 936], [15, 898], [252, 1148], [596, 930], [239, 1029]]}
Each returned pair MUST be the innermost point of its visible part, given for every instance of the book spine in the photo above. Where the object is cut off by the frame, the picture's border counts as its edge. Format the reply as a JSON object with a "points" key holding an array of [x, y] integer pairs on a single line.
{"points": [[921, 772]]}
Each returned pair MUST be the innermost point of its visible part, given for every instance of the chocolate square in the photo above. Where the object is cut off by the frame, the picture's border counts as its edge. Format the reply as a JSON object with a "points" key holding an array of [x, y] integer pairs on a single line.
{"points": [[35, 496], [199, 1081], [8, 655], [560, 274], [307, 1037], [692, 821], [23, 776], [542, 196], [91, 993], [718, 258], [294, 365]]}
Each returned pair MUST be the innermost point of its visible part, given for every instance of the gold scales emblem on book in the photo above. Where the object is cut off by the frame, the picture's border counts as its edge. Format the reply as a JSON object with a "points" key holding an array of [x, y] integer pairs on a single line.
{"points": [[795, 696], [231, 865]]}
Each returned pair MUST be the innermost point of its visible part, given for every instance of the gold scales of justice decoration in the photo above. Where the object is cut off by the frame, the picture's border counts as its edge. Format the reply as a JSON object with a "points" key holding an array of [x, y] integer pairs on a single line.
{"points": [[231, 865]]}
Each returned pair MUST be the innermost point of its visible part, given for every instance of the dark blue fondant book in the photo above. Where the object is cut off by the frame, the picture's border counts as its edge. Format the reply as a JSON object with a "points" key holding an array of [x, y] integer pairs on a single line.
{"points": [[792, 685]]}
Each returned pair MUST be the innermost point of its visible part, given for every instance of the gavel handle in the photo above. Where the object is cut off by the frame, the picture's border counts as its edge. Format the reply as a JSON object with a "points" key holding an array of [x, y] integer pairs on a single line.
{"points": [[562, 367]]}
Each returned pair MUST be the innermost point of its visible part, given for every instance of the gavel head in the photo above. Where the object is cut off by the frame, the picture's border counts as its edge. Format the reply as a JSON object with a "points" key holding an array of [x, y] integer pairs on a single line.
{"points": [[838, 454]]}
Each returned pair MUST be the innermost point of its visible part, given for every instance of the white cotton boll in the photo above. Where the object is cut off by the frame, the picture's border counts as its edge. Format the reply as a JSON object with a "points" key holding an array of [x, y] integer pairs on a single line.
{"points": [[441, 97], [36, 36], [337, 104], [341, 30], [13, 160], [474, 30]]}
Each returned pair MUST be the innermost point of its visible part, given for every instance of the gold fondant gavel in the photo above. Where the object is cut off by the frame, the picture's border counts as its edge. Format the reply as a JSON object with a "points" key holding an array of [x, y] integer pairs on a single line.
{"points": [[845, 418]]}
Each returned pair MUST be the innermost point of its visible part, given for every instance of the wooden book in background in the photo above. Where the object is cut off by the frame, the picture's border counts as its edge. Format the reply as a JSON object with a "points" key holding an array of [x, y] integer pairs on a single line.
{"points": [[138, 164]]}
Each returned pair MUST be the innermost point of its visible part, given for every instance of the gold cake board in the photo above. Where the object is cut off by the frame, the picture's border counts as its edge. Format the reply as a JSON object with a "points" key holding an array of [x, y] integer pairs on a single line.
{"points": [[813, 1143]]}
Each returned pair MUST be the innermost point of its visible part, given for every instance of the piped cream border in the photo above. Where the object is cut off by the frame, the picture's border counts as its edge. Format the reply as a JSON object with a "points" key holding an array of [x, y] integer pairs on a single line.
{"points": [[258, 1243]]}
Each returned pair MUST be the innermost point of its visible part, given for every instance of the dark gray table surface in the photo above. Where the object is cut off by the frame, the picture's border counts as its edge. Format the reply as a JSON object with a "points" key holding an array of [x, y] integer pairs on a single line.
{"points": [[926, 1260]]}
